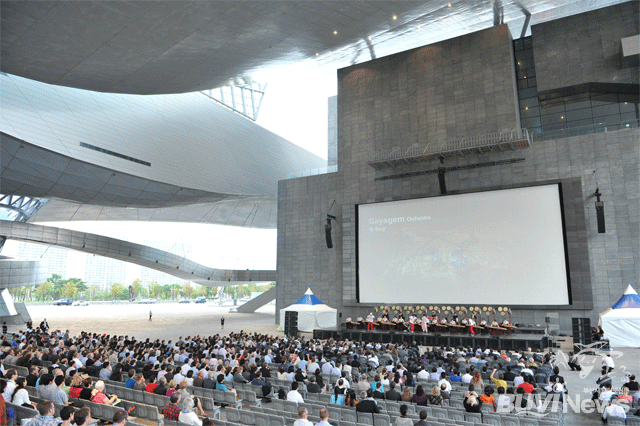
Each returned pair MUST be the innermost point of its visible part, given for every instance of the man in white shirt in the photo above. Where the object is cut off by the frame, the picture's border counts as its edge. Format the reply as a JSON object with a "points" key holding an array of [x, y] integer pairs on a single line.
{"points": [[434, 374], [466, 378], [422, 374], [294, 395], [614, 410], [607, 394], [443, 380], [302, 420], [608, 362]]}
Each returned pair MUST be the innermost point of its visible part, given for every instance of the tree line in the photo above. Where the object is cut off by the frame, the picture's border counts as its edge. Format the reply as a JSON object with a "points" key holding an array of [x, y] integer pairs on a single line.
{"points": [[56, 287]]}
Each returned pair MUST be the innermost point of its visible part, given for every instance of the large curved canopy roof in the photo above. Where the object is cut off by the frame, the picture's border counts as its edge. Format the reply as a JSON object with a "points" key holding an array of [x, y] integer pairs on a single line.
{"points": [[156, 47]]}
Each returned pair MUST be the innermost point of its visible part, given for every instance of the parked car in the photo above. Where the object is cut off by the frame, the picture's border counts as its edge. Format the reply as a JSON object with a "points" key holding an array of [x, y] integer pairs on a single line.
{"points": [[80, 303], [147, 301], [184, 301], [61, 302], [201, 300]]}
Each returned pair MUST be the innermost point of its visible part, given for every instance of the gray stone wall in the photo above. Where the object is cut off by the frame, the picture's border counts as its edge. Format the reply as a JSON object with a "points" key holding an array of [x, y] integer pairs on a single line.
{"points": [[332, 131], [460, 87], [585, 48]]}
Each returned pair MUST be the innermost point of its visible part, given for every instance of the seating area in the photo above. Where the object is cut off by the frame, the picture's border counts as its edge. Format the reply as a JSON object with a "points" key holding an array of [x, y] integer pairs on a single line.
{"points": [[244, 403]]}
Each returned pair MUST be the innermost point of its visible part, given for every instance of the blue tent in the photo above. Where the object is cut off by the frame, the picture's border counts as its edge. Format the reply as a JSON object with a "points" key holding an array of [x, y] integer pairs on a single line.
{"points": [[312, 313], [621, 323]]}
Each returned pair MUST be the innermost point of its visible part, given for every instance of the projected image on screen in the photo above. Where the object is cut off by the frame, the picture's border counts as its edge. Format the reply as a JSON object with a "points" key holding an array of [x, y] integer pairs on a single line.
{"points": [[498, 248]]}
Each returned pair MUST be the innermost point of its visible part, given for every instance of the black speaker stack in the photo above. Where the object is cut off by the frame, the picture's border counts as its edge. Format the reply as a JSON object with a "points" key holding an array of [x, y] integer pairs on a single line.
{"points": [[291, 323], [581, 332]]}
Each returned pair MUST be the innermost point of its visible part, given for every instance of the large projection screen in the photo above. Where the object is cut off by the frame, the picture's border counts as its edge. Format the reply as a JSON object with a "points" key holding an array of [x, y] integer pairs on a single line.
{"points": [[503, 247]]}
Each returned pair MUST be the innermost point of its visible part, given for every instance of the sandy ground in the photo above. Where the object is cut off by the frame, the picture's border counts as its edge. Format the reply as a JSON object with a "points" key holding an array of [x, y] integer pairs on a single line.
{"points": [[170, 320]]}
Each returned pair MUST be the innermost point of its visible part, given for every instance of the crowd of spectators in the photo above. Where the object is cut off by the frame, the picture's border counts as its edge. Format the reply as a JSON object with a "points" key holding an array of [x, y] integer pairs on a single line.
{"points": [[360, 372]]}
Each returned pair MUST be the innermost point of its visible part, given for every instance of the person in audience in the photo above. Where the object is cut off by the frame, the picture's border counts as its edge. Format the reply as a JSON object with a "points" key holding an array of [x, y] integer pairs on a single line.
{"points": [[504, 401], [87, 389], [67, 415], [184, 394], [45, 417], [105, 371], [351, 400], [282, 373], [221, 386], [140, 383], [607, 393], [477, 381], [187, 415], [423, 419], [625, 395], [295, 396], [171, 411], [59, 396], [392, 394], [152, 385], [368, 405], [116, 373], [472, 404], [407, 396], [403, 420], [337, 397], [527, 385], [632, 385], [487, 397], [11, 375], [82, 417], [76, 387], [20, 395], [324, 418], [434, 397], [498, 381], [99, 397], [131, 381], [420, 397], [363, 384], [377, 394], [613, 410], [312, 386], [32, 377], [173, 387], [120, 418], [302, 418]]}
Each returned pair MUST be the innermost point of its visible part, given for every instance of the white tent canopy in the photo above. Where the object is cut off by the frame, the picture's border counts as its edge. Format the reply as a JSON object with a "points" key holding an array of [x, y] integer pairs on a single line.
{"points": [[621, 323], [312, 313]]}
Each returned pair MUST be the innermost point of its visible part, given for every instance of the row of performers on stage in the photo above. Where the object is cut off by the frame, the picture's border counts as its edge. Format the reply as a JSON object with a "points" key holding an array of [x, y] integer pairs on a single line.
{"points": [[433, 323]]}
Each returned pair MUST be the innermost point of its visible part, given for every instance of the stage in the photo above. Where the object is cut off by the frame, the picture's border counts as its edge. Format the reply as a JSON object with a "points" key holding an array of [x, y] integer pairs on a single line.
{"points": [[533, 339]]}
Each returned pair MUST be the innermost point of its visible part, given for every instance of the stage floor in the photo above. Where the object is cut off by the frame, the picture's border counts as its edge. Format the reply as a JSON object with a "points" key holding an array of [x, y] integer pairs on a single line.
{"points": [[514, 341]]}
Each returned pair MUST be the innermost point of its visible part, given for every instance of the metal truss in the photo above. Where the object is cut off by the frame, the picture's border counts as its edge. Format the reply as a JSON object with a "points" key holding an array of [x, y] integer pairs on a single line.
{"points": [[18, 208], [244, 99]]}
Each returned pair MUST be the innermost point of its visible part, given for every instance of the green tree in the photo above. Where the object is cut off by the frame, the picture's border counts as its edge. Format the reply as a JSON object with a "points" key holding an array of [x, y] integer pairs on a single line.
{"points": [[94, 292], [116, 290], [81, 286], [139, 289], [187, 290], [57, 284], [43, 291], [155, 290], [70, 290]]}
